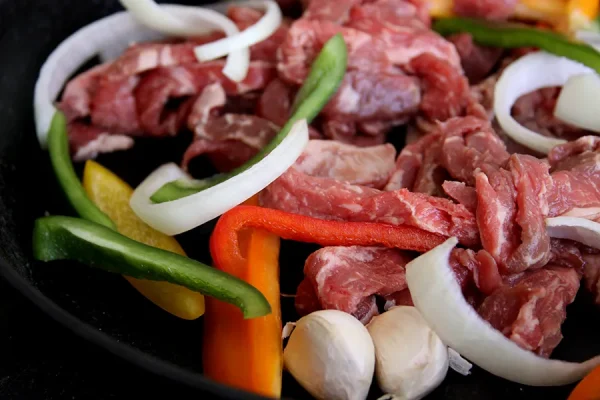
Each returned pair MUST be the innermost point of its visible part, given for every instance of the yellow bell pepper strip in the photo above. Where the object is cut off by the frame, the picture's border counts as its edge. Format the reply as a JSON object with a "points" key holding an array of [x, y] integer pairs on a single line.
{"points": [[588, 388], [58, 147], [509, 35], [325, 76], [247, 354], [582, 13], [111, 194], [67, 238]]}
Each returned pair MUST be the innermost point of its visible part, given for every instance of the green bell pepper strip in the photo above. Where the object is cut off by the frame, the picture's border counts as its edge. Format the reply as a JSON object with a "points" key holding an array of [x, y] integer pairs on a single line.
{"points": [[510, 36], [67, 238], [58, 147], [326, 74]]}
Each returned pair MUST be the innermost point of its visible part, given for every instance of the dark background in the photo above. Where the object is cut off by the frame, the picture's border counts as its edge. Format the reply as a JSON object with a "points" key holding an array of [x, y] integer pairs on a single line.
{"points": [[40, 359]]}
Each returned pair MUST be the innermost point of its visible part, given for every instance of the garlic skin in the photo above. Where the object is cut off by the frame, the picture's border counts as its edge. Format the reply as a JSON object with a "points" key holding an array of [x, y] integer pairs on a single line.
{"points": [[411, 360], [331, 354]]}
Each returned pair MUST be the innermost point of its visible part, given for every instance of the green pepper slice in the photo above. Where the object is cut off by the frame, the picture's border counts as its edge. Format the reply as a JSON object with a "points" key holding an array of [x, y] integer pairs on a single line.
{"points": [[67, 238], [326, 74], [58, 147], [507, 35]]}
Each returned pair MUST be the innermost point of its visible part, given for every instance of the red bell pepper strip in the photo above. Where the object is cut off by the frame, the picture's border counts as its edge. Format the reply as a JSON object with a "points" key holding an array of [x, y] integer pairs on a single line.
{"points": [[239, 353], [225, 246]]}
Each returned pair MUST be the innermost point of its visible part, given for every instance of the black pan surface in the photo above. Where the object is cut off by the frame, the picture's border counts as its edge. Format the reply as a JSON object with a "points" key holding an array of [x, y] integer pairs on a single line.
{"points": [[103, 307]]}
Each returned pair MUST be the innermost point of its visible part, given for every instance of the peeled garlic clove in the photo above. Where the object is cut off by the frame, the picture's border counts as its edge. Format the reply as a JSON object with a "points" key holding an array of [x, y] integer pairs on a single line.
{"points": [[331, 354], [411, 360]]}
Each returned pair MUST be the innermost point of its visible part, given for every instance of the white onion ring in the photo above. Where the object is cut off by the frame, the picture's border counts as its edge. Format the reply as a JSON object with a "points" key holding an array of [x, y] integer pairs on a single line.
{"points": [[439, 299], [256, 33], [527, 74], [178, 216], [573, 228]]}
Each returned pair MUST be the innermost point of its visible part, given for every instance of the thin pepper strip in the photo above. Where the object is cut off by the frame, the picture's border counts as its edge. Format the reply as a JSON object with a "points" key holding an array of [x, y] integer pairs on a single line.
{"points": [[67, 238], [225, 249], [588, 388], [58, 147], [247, 354], [326, 74], [111, 194], [507, 35]]}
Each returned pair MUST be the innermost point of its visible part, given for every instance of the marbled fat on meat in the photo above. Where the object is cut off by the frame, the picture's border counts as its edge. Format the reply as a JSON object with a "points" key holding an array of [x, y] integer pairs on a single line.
{"points": [[369, 166], [327, 198]]}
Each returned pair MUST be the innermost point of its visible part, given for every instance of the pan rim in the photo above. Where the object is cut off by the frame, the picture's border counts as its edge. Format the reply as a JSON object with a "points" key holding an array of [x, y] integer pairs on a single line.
{"points": [[122, 350]]}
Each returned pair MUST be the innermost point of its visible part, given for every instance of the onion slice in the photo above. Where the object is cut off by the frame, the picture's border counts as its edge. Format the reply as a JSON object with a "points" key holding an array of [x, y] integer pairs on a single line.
{"points": [[529, 73], [578, 229], [178, 216], [107, 37], [256, 33], [437, 296], [158, 18], [578, 102]]}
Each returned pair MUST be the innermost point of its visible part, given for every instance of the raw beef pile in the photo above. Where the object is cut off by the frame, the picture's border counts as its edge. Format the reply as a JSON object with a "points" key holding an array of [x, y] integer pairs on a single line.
{"points": [[458, 175]]}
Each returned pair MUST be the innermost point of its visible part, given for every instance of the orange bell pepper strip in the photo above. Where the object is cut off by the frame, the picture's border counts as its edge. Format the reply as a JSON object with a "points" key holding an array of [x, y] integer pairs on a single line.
{"points": [[225, 245], [588, 388], [247, 353]]}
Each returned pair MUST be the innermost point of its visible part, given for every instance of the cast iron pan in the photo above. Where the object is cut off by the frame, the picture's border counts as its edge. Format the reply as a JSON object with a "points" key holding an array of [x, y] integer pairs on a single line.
{"points": [[103, 307]]}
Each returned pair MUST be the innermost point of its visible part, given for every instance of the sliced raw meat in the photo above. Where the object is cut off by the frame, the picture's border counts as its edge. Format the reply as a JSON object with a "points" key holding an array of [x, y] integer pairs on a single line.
{"points": [[161, 92], [156, 93], [410, 161], [481, 266], [211, 99], [487, 9], [275, 102], [327, 198], [306, 300], [143, 57], [335, 11], [477, 61], [576, 190], [113, 105], [343, 277], [568, 254], [78, 93], [87, 142], [401, 44], [446, 92], [461, 193], [531, 312], [470, 143], [230, 140], [393, 12], [591, 275], [511, 208], [266, 50], [367, 166], [305, 39], [364, 96], [345, 131]]}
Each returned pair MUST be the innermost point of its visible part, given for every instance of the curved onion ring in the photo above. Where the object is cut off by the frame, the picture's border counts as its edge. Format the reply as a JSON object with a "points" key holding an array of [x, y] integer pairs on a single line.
{"points": [[108, 38], [178, 216], [438, 297], [529, 73], [256, 33]]}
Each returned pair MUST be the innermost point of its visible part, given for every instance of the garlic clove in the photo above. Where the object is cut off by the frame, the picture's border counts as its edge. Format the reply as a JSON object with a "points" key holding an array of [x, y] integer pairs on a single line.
{"points": [[331, 354], [411, 360]]}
